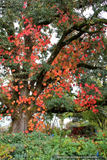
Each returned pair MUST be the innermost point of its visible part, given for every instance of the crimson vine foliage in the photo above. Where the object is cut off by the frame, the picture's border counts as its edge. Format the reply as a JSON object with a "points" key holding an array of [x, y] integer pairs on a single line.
{"points": [[34, 69]]}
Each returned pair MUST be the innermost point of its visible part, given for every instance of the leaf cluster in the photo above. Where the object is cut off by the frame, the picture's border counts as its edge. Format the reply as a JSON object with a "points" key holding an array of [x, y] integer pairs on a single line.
{"points": [[60, 103]]}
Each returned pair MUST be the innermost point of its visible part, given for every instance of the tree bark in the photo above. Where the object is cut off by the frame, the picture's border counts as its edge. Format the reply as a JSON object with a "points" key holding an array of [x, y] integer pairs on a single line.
{"points": [[20, 124]]}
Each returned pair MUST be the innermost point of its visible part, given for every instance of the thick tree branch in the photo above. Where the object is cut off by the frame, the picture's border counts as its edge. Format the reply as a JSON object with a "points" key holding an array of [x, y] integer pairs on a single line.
{"points": [[60, 110], [101, 102], [5, 101], [88, 66], [48, 21], [100, 21], [3, 110]]}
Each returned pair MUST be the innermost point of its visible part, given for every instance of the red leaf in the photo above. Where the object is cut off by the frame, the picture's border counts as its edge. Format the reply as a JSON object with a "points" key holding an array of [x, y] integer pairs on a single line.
{"points": [[12, 110]]}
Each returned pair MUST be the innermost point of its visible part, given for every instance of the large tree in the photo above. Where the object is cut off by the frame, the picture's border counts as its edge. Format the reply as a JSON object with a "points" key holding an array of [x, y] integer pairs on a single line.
{"points": [[33, 68]]}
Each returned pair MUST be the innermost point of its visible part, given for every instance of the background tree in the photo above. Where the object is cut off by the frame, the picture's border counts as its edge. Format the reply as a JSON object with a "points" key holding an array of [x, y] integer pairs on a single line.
{"points": [[99, 120], [32, 68]]}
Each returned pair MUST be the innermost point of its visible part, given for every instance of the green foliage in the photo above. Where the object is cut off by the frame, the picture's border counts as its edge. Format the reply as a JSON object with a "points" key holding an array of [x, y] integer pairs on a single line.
{"points": [[43, 12], [101, 142], [36, 146], [46, 66], [65, 101], [12, 138], [6, 151], [99, 119]]}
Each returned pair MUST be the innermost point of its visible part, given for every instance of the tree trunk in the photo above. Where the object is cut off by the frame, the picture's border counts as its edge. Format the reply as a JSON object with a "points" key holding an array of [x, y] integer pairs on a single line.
{"points": [[20, 124]]}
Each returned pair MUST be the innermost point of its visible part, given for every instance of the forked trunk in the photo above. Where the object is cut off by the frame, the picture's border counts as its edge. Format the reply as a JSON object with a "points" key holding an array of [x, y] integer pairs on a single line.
{"points": [[20, 124]]}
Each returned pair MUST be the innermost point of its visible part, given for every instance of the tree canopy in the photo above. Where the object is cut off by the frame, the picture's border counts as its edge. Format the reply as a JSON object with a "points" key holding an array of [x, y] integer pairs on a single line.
{"points": [[33, 69]]}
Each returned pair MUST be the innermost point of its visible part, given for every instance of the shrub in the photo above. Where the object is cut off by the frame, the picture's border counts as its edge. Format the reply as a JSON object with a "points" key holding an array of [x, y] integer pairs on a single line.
{"points": [[37, 145], [6, 150]]}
